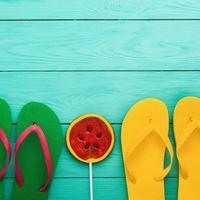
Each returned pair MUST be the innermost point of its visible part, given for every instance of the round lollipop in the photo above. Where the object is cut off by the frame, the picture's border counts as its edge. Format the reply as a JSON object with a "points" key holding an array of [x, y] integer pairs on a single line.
{"points": [[90, 138]]}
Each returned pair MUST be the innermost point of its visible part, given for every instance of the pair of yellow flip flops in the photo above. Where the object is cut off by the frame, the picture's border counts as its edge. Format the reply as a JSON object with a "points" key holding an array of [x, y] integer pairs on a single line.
{"points": [[144, 141]]}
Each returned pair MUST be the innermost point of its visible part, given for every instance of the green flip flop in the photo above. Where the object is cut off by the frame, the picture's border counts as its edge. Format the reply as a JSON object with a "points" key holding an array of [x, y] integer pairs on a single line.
{"points": [[37, 150], [6, 127]]}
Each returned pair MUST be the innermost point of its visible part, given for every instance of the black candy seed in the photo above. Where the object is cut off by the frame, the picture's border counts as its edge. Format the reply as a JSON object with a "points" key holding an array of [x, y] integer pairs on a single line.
{"points": [[80, 137], [96, 146], [89, 129], [87, 146]]}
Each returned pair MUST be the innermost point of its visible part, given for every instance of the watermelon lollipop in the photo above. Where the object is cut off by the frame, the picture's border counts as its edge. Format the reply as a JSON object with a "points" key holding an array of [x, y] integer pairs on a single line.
{"points": [[90, 138]]}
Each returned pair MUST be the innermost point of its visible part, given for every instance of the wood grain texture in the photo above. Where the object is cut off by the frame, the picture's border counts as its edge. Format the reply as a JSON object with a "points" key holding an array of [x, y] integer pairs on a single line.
{"points": [[106, 188], [100, 45], [112, 166], [110, 94], [105, 9]]}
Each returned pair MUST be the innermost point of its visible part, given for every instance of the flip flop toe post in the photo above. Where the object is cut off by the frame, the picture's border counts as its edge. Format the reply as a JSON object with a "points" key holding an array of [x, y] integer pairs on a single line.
{"points": [[144, 141], [36, 153]]}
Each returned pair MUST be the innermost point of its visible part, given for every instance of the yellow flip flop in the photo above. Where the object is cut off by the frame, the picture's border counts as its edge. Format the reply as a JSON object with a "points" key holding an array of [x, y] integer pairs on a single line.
{"points": [[187, 136], [144, 140]]}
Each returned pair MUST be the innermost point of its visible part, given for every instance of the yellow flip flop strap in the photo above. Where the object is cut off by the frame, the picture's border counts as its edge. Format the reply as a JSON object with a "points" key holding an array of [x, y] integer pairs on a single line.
{"points": [[182, 139], [151, 127]]}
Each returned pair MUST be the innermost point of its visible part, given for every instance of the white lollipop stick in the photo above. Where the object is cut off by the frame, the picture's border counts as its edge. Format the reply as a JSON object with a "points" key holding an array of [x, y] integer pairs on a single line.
{"points": [[91, 182]]}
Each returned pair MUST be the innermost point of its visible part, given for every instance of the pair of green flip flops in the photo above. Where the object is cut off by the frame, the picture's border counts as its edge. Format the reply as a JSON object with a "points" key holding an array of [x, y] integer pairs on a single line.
{"points": [[30, 157]]}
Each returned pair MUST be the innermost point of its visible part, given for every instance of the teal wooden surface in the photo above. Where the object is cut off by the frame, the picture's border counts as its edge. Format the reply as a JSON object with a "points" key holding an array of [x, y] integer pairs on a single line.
{"points": [[102, 57], [110, 94], [109, 188], [105, 9], [100, 45]]}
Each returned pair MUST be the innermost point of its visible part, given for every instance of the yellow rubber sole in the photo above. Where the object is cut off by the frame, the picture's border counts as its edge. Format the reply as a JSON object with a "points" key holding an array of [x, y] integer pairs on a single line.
{"points": [[188, 109], [148, 159]]}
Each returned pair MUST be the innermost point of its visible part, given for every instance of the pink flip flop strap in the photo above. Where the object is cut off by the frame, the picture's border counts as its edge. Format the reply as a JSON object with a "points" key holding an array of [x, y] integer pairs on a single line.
{"points": [[7, 146], [34, 128]]}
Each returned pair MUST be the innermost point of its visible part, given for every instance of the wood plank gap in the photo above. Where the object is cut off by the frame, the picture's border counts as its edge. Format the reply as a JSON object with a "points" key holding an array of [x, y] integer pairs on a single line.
{"points": [[87, 71], [78, 20]]}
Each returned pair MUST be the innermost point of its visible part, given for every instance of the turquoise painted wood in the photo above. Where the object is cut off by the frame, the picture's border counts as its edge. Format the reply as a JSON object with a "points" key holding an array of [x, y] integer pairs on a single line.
{"points": [[100, 45], [109, 188], [110, 94], [104, 9]]}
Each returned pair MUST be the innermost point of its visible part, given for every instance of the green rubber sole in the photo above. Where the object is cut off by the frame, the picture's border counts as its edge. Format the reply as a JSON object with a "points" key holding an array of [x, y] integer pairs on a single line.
{"points": [[30, 156], [6, 125]]}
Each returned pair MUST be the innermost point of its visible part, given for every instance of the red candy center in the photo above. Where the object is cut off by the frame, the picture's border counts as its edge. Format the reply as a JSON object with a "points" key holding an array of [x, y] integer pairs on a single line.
{"points": [[90, 138]]}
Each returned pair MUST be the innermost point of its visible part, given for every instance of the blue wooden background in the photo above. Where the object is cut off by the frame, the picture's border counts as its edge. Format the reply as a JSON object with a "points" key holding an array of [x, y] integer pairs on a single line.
{"points": [[85, 56]]}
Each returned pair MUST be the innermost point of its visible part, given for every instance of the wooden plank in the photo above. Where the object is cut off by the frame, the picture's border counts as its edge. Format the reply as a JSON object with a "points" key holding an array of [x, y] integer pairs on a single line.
{"points": [[106, 188], [111, 167], [100, 45], [110, 94], [105, 9]]}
